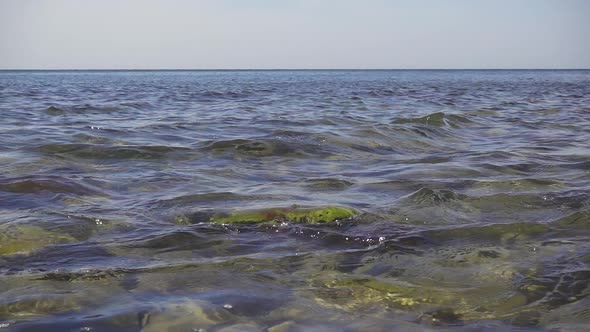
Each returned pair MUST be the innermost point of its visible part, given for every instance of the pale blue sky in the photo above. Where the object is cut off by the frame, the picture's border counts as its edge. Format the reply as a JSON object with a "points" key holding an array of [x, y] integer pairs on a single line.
{"points": [[207, 34]]}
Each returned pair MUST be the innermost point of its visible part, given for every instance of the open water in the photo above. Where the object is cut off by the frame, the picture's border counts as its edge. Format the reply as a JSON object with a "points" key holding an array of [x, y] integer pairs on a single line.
{"points": [[470, 192]]}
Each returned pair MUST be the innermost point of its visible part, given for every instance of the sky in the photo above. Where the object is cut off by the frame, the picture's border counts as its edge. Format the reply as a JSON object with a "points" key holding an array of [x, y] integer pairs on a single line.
{"points": [[294, 34]]}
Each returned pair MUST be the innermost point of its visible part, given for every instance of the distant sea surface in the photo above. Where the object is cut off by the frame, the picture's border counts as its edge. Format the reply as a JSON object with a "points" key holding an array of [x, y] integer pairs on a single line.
{"points": [[123, 196]]}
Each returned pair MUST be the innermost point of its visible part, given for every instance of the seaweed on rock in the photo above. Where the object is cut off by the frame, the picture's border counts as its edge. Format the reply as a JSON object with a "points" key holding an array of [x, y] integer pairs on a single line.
{"points": [[293, 214]]}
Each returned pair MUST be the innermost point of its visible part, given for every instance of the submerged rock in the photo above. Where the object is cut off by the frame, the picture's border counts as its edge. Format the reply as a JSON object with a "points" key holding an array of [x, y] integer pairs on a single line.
{"points": [[327, 184], [576, 220], [183, 315], [440, 317], [115, 152], [28, 306], [241, 328], [53, 110], [253, 148], [439, 306], [22, 239], [296, 215], [505, 233], [84, 275]]}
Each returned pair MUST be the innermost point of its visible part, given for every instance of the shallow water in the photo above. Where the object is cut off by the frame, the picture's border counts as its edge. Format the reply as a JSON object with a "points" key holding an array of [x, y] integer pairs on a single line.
{"points": [[472, 192]]}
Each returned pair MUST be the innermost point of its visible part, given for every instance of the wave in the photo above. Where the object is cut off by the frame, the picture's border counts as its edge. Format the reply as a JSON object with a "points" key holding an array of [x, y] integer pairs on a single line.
{"points": [[437, 119], [123, 152], [104, 108], [266, 147], [429, 196], [83, 109], [327, 184], [211, 199], [53, 184]]}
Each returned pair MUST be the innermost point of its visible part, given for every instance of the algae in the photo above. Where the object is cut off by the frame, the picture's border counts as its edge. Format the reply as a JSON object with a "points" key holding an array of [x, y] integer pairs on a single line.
{"points": [[297, 215]]}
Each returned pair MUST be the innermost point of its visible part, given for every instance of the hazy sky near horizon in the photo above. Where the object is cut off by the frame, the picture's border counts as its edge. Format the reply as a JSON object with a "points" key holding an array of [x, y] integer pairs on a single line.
{"points": [[223, 34]]}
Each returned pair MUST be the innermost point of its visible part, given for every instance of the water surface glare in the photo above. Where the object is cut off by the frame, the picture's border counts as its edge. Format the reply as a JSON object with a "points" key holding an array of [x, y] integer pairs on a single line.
{"points": [[295, 200]]}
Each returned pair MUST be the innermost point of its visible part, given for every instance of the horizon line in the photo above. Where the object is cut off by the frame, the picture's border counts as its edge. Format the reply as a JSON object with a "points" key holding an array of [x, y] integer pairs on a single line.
{"points": [[287, 69]]}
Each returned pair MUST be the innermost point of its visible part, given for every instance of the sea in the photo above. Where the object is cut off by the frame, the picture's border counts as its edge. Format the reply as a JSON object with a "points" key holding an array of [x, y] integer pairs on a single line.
{"points": [[456, 200]]}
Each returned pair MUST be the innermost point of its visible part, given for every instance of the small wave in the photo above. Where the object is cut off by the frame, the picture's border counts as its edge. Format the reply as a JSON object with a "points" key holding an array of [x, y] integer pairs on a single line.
{"points": [[226, 94], [386, 140], [552, 202], [437, 119], [521, 169], [173, 240], [91, 139], [516, 185], [80, 109], [53, 184], [102, 152], [429, 206], [492, 232], [208, 199], [291, 134], [427, 196], [212, 96], [137, 105]]}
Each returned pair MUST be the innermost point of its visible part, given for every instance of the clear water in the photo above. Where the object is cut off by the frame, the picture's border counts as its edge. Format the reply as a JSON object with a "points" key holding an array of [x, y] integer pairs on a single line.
{"points": [[472, 187]]}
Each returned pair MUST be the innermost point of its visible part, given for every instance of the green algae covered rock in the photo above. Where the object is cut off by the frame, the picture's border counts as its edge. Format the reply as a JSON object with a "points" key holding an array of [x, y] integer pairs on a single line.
{"points": [[22, 239], [297, 215]]}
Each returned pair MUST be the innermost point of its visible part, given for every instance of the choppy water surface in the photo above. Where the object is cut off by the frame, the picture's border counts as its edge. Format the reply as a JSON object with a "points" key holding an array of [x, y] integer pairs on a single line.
{"points": [[471, 191]]}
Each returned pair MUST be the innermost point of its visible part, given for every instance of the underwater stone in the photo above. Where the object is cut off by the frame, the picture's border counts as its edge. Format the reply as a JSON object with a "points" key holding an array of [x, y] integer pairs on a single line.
{"points": [[327, 184], [22, 239], [441, 317], [504, 232], [183, 315], [52, 110], [252, 148], [526, 319], [285, 327], [241, 328], [579, 219]]}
